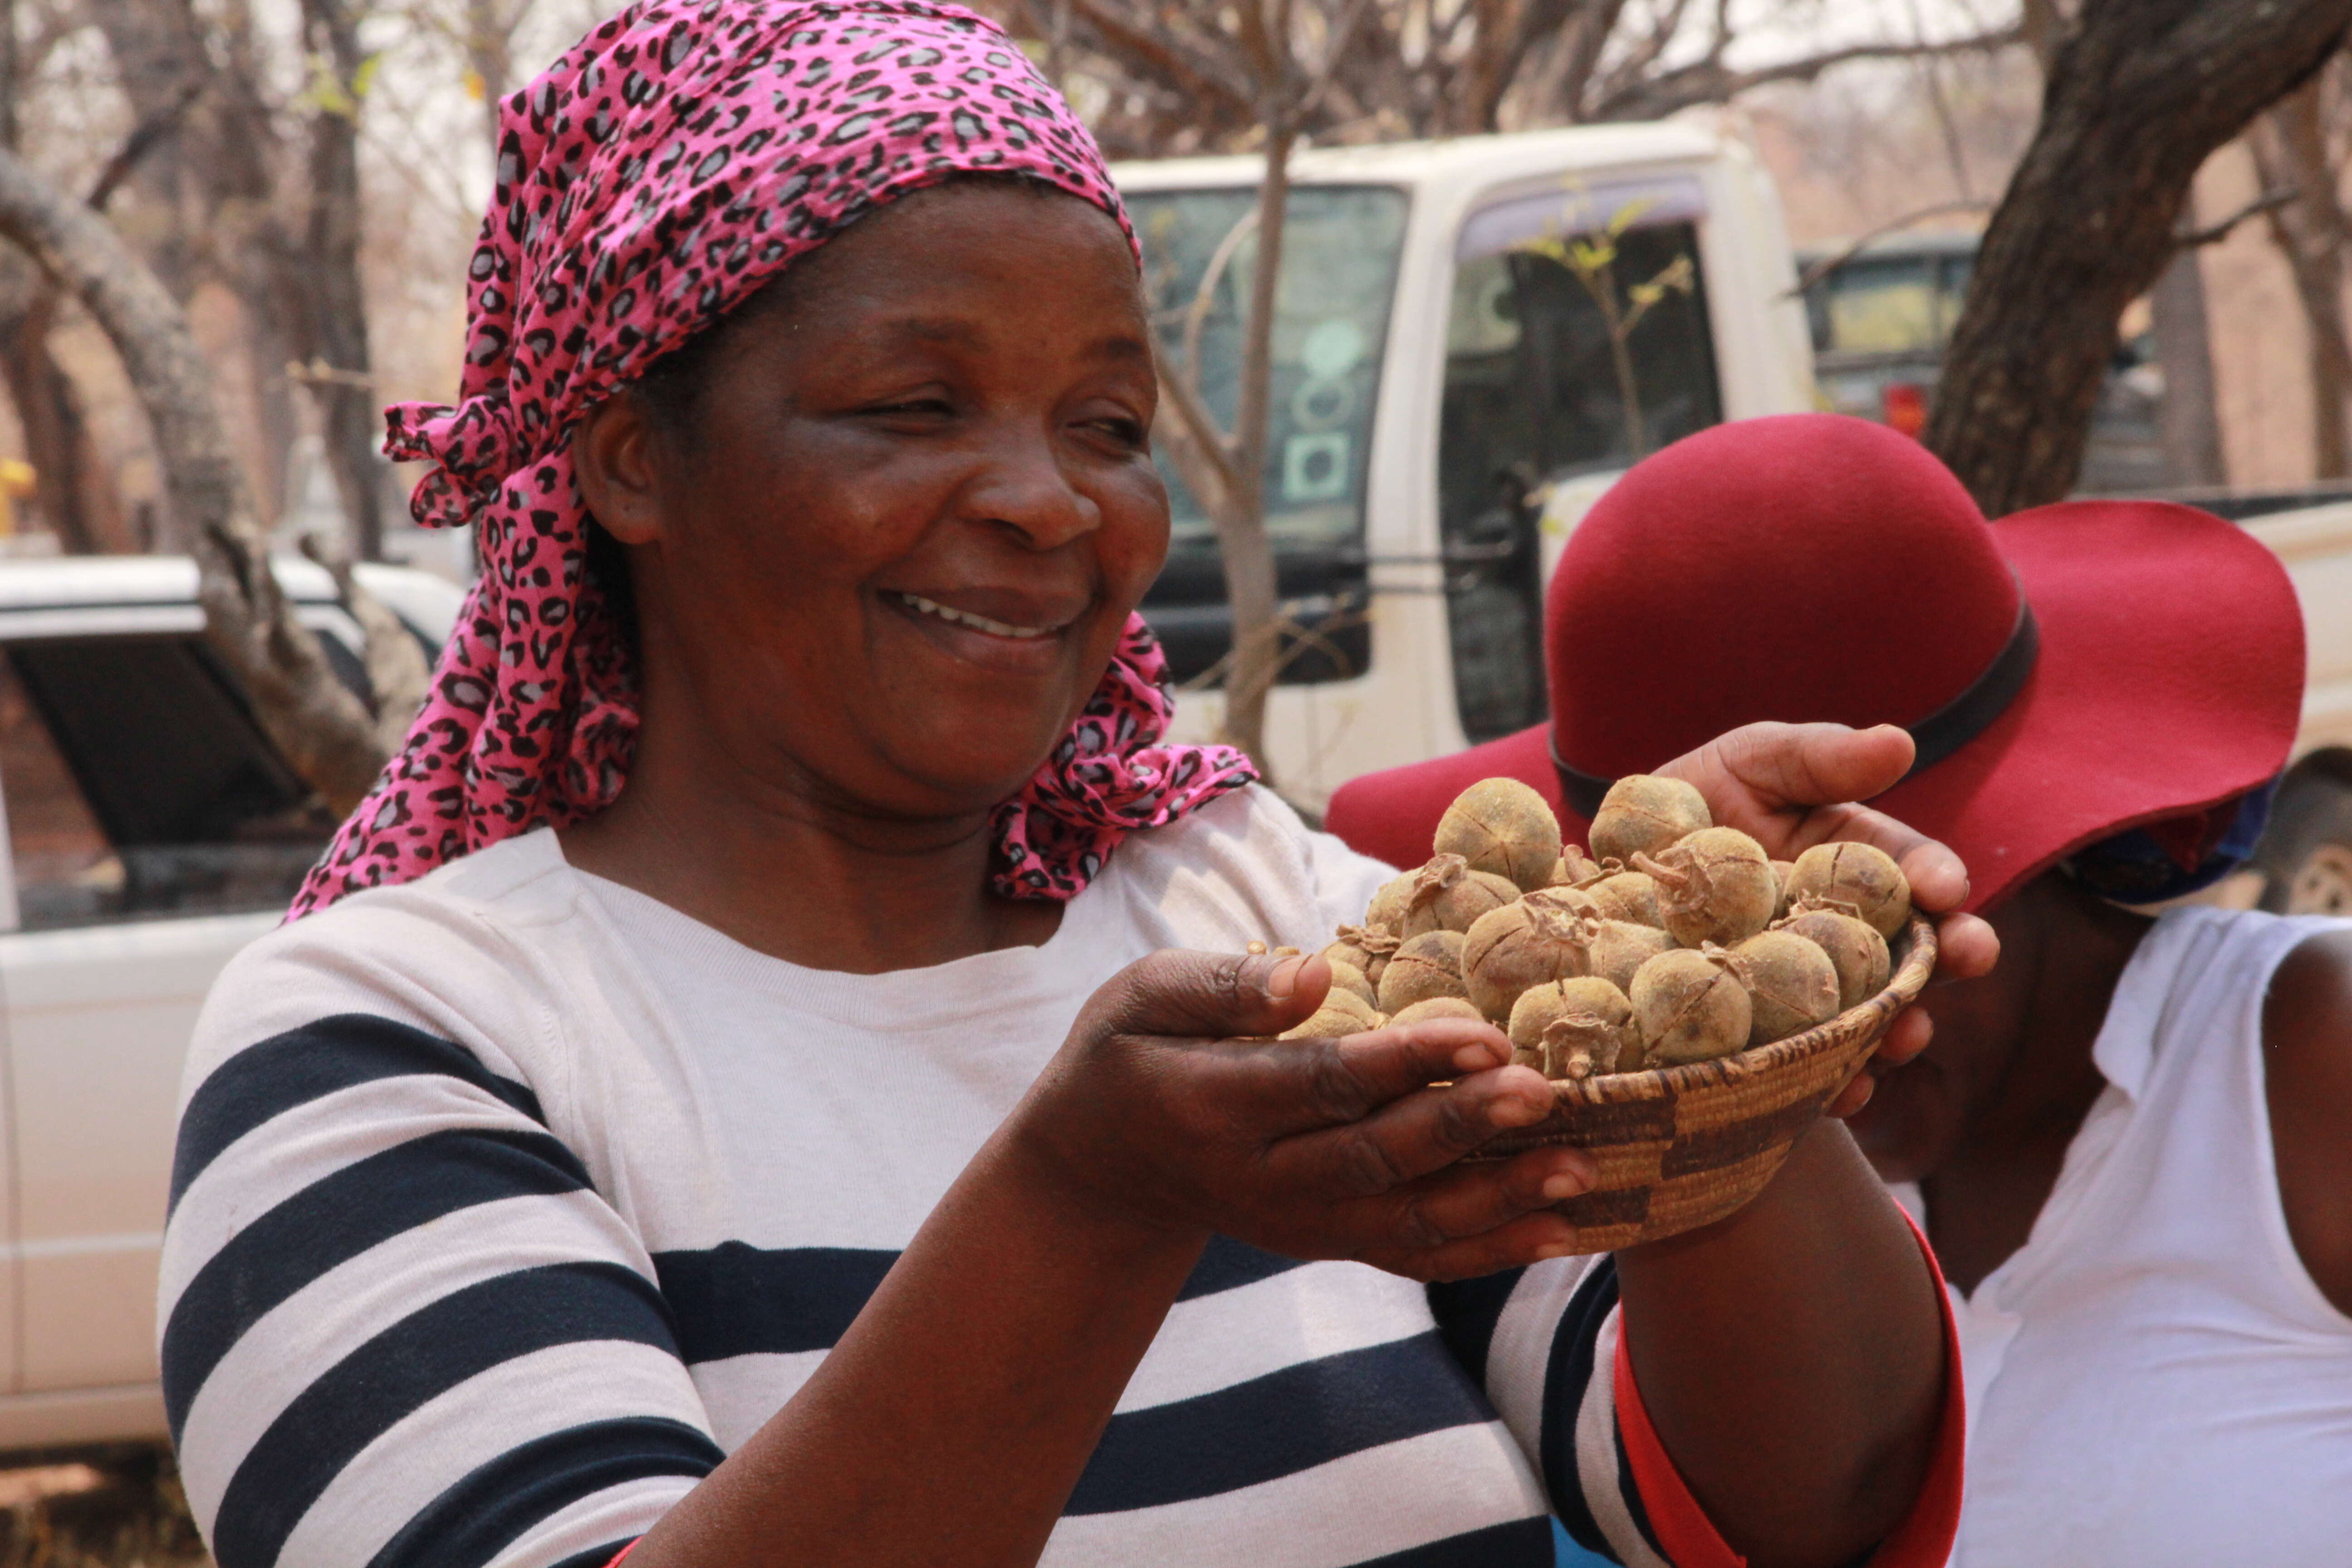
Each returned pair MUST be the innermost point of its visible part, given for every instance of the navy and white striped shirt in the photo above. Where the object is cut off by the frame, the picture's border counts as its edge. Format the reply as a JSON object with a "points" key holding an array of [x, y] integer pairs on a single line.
{"points": [[506, 1202]]}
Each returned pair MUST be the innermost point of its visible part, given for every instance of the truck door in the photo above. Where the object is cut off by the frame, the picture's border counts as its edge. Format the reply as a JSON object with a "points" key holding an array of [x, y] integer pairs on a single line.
{"points": [[153, 832], [1578, 342]]}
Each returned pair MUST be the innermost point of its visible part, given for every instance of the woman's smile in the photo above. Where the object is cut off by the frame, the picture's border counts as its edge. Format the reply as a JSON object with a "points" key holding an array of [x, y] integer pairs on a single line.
{"points": [[1028, 635]]}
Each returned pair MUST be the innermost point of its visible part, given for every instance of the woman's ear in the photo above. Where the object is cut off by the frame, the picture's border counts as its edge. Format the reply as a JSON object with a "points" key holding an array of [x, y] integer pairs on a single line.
{"points": [[614, 455]]}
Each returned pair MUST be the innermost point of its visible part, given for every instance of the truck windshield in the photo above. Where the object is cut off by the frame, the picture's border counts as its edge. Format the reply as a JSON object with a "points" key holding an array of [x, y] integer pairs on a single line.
{"points": [[1890, 304], [1340, 248], [1340, 251]]}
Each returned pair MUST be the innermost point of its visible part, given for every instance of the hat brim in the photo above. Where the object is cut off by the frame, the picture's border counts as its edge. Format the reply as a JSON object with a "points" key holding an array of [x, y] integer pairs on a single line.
{"points": [[2170, 679]]}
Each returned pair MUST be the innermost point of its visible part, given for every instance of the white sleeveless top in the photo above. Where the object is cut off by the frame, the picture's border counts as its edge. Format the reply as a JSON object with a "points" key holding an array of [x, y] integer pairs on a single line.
{"points": [[2153, 1380]]}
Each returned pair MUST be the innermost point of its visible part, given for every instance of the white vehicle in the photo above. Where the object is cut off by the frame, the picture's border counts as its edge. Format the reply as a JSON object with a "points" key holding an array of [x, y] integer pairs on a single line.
{"points": [[151, 831], [1454, 384]]}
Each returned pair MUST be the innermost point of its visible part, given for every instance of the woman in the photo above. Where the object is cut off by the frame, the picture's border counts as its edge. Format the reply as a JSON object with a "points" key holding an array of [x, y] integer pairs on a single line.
{"points": [[806, 1151], [2129, 1144]]}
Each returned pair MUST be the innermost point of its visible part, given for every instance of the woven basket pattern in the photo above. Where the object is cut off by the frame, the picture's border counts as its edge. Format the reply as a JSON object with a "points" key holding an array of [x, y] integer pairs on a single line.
{"points": [[1678, 1147]]}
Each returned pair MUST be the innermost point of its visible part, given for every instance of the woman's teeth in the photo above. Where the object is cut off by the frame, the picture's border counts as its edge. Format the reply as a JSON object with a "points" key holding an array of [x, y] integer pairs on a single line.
{"points": [[966, 618]]}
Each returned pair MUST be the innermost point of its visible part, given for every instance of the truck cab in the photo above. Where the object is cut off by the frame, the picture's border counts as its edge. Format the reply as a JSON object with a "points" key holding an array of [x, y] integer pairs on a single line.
{"points": [[1472, 339]]}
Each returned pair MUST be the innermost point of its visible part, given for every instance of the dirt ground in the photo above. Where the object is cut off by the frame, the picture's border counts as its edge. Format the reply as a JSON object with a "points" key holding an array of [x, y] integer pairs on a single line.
{"points": [[112, 1507]]}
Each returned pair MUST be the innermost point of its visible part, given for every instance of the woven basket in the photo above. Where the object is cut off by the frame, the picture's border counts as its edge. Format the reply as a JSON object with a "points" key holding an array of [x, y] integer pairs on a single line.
{"points": [[1681, 1146]]}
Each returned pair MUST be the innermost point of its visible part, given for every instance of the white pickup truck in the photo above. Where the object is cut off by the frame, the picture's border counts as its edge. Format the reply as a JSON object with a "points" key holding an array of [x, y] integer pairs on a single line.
{"points": [[150, 831], [1449, 398], [1451, 392]]}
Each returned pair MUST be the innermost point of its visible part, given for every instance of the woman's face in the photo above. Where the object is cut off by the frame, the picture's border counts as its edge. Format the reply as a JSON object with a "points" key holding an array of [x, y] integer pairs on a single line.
{"points": [[891, 554]]}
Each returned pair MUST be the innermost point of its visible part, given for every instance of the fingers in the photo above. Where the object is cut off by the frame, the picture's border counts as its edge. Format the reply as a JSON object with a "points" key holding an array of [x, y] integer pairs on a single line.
{"points": [[1328, 1082], [1416, 1135], [1966, 947], [1906, 1038], [1769, 766], [1852, 1097], [1210, 995], [1938, 880], [1910, 1033], [1470, 1200], [1529, 1239]]}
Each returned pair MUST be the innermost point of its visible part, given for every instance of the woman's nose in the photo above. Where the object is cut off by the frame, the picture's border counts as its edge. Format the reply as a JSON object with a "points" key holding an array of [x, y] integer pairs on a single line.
{"points": [[1022, 486]]}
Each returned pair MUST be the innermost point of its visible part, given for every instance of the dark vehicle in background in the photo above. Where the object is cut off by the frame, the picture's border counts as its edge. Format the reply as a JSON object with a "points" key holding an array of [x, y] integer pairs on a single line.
{"points": [[1880, 322]]}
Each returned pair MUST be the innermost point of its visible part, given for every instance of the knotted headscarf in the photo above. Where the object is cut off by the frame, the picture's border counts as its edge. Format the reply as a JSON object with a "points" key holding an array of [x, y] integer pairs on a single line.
{"points": [[672, 162]]}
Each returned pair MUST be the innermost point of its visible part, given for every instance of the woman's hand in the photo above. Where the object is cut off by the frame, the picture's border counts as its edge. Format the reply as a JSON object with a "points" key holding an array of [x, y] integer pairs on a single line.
{"points": [[1791, 786], [1162, 1111]]}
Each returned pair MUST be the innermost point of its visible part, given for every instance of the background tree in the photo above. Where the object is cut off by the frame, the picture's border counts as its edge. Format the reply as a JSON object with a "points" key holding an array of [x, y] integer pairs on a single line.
{"points": [[2140, 93], [2294, 155], [1410, 68], [330, 738]]}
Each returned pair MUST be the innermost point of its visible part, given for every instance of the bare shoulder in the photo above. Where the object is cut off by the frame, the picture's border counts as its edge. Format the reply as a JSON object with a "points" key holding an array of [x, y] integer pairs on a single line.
{"points": [[2307, 1036]]}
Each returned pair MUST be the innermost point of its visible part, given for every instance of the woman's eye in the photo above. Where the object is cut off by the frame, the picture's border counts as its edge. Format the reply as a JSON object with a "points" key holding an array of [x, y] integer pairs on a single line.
{"points": [[1126, 432]]}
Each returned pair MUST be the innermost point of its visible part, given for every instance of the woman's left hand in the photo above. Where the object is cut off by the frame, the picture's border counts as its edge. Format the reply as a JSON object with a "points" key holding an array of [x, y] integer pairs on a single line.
{"points": [[1791, 786]]}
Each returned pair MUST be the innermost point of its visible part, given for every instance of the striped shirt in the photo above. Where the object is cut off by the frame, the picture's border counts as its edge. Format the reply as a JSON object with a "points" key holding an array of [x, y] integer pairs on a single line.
{"points": [[508, 1202]]}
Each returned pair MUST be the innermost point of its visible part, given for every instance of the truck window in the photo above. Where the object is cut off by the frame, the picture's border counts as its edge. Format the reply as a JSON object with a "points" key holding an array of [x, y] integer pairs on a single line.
{"points": [[1340, 248], [1555, 366], [138, 783], [1878, 306]]}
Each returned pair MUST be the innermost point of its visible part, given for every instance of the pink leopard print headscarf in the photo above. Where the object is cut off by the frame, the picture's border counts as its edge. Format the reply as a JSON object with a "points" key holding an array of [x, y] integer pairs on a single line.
{"points": [[676, 159]]}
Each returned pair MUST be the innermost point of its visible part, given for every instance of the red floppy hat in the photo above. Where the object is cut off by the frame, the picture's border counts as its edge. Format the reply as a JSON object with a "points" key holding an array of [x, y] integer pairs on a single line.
{"points": [[2068, 672]]}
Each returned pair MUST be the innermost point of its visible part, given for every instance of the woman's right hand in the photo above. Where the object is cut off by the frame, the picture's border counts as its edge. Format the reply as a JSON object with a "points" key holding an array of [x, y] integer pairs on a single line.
{"points": [[1162, 1111]]}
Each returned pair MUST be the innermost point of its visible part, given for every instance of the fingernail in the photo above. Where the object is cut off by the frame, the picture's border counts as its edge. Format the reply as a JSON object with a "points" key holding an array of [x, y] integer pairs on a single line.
{"points": [[1284, 980], [1555, 1249], [1516, 1112], [1471, 1058], [1562, 1186]]}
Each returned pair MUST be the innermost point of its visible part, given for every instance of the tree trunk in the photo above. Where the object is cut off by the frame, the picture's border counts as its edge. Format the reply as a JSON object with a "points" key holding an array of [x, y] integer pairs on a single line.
{"points": [[1242, 538], [323, 730], [156, 53], [2290, 148], [490, 38], [72, 486], [2140, 92], [2193, 455], [334, 305]]}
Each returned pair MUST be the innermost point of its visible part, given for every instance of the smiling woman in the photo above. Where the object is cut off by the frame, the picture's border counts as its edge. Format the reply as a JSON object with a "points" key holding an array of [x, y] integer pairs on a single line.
{"points": [[737, 1092], [885, 531]]}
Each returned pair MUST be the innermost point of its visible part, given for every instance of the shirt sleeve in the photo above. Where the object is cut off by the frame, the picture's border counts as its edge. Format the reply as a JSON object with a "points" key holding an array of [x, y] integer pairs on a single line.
{"points": [[1546, 1343], [400, 1324]]}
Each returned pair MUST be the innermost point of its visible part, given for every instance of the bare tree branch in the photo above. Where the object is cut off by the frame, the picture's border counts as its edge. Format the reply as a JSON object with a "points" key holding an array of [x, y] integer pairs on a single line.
{"points": [[1710, 81], [142, 140], [1196, 315], [2215, 233], [398, 675], [1130, 41], [1829, 264]]}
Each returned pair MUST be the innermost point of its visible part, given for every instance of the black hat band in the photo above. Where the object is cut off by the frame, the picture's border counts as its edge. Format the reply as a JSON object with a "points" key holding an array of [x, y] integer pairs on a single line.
{"points": [[1936, 736]]}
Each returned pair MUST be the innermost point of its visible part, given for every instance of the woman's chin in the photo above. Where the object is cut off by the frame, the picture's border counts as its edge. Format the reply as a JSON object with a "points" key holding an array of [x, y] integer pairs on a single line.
{"points": [[985, 755]]}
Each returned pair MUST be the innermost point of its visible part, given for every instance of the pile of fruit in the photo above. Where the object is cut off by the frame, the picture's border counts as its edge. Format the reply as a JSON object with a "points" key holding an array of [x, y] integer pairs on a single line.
{"points": [[1674, 940]]}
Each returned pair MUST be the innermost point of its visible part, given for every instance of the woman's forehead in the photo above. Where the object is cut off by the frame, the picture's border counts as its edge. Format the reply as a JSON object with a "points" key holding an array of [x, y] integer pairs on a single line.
{"points": [[925, 261]]}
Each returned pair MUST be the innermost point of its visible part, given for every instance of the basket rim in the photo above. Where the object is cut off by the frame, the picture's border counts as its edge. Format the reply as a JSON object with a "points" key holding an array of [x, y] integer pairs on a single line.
{"points": [[1865, 1018]]}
